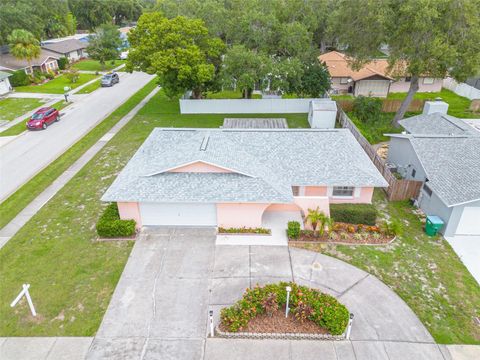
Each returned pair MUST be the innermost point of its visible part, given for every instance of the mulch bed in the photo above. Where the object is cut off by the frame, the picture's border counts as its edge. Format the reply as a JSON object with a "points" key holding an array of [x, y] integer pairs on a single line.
{"points": [[278, 323], [349, 236]]}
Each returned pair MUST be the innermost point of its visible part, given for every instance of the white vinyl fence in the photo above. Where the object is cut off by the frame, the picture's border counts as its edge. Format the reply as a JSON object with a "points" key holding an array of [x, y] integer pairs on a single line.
{"points": [[244, 106], [461, 89]]}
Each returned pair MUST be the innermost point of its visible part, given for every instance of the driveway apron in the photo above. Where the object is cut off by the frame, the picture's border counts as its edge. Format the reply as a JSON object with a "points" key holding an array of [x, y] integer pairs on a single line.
{"points": [[159, 308]]}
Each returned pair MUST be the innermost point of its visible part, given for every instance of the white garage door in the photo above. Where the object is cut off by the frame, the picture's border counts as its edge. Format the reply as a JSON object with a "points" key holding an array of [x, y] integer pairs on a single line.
{"points": [[469, 222], [178, 214], [372, 88]]}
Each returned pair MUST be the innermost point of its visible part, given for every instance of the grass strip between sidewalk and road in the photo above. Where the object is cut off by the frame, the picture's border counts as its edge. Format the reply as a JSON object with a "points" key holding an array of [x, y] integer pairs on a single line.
{"points": [[30, 190]]}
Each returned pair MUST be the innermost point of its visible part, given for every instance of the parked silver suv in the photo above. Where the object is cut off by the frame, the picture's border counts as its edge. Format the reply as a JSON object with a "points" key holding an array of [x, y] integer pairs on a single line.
{"points": [[110, 79]]}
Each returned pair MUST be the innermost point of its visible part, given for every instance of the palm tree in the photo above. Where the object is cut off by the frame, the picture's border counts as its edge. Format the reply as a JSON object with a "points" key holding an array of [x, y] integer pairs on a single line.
{"points": [[328, 223], [24, 45], [315, 217]]}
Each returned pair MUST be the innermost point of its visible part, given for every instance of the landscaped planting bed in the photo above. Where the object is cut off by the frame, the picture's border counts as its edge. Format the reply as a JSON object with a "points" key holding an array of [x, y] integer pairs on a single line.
{"points": [[244, 231], [111, 226], [261, 311], [351, 234]]}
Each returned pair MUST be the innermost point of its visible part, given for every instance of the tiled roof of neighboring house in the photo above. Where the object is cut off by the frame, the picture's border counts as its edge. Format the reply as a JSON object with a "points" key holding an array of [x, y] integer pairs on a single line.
{"points": [[452, 165], [264, 164], [338, 65], [8, 61], [65, 46], [4, 75], [439, 124]]}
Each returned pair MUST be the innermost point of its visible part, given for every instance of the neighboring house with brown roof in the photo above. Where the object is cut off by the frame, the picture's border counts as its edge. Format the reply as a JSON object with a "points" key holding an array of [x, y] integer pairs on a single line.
{"points": [[45, 62], [72, 49], [373, 79]]}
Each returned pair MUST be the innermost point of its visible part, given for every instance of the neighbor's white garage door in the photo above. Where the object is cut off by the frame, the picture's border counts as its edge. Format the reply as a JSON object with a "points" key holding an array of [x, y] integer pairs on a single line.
{"points": [[469, 222], [178, 214]]}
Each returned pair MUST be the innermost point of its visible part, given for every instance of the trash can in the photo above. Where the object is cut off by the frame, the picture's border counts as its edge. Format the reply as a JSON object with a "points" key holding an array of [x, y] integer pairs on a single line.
{"points": [[433, 225]]}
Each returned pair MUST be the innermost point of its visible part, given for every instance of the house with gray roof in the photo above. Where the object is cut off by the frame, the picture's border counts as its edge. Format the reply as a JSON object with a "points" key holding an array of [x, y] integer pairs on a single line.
{"points": [[232, 177], [46, 61], [5, 86], [444, 153], [72, 49]]}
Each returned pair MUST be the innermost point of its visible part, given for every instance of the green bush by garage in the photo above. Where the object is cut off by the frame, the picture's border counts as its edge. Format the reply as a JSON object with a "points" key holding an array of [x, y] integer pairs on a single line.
{"points": [[354, 213], [111, 226]]}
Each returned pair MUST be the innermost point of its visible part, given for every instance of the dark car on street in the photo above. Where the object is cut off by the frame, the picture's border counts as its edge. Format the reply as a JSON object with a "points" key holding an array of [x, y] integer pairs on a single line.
{"points": [[110, 79], [42, 118]]}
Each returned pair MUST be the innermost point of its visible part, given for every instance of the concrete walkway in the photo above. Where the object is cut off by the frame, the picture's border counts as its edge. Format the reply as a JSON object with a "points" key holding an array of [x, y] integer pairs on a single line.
{"points": [[26, 214], [468, 250], [44, 348]]}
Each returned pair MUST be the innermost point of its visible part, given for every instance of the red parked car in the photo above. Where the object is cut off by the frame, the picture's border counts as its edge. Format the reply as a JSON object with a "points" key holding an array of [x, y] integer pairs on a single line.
{"points": [[43, 117]]}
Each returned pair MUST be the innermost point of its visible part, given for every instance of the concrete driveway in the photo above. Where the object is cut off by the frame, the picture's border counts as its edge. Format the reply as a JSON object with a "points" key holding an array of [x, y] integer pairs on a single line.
{"points": [[30, 152], [174, 276], [468, 250]]}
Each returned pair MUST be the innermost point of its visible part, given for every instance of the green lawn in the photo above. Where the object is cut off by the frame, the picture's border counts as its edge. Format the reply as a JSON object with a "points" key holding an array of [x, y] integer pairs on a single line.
{"points": [[94, 65], [374, 131], [90, 88], [424, 271], [72, 277], [12, 108], [458, 105], [20, 127], [56, 85]]}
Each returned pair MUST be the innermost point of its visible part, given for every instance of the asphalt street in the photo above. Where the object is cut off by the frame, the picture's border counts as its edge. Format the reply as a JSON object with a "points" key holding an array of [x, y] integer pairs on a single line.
{"points": [[29, 153]]}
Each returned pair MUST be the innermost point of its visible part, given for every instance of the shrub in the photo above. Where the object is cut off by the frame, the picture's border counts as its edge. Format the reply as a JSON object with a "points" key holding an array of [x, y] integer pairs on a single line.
{"points": [[391, 228], [354, 213], [72, 75], [367, 109], [63, 63], [50, 75], [270, 303], [19, 78], [111, 226], [293, 230], [305, 303]]}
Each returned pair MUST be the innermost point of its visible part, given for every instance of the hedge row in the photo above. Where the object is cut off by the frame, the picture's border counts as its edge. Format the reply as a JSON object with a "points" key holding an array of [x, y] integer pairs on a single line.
{"points": [[111, 226], [354, 213], [324, 310]]}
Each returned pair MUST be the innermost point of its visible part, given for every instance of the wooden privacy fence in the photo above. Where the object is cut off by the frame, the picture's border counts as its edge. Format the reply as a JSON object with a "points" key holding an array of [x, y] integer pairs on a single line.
{"points": [[388, 105], [398, 189]]}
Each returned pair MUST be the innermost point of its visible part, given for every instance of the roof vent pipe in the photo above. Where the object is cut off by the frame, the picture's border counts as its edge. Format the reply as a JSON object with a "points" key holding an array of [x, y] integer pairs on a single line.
{"points": [[203, 146]]}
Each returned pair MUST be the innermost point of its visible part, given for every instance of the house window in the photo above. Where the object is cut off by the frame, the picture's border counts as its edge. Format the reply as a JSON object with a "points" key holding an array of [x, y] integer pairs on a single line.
{"points": [[413, 173], [428, 81], [296, 190], [343, 191], [408, 78], [427, 189], [344, 80]]}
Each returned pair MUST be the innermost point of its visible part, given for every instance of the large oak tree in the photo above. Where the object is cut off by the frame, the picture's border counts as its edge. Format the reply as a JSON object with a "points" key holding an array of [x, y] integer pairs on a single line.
{"points": [[179, 50]]}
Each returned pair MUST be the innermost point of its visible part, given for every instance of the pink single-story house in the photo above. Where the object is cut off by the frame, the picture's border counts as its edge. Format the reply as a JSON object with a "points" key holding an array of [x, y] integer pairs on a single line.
{"points": [[373, 79], [233, 177]]}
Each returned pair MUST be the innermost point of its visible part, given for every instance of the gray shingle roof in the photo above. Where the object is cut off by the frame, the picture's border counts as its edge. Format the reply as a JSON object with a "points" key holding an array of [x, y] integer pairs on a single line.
{"points": [[8, 61], [4, 75], [439, 124], [266, 163], [452, 165], [65, 46]]}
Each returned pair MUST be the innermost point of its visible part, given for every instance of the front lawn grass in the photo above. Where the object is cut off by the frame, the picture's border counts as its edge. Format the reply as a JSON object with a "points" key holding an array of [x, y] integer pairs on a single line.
{"points": [[72, 277], [424, 271], [19, 128], [94, 65], [458, 105], [56, 85], [12, 108]]}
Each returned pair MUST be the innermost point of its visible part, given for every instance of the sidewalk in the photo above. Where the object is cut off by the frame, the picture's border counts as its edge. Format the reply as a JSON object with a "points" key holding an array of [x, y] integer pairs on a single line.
{"points": [[26, 214]]}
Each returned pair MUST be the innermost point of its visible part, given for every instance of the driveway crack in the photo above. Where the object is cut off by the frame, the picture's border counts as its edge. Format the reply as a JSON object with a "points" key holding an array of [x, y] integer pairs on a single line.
{"points": [[353, 285]]}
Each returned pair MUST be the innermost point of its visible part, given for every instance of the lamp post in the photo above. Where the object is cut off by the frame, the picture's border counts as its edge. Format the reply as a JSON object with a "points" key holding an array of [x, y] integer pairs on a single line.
{"points": [[287, 309], [349, 327], [210, 314]]}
